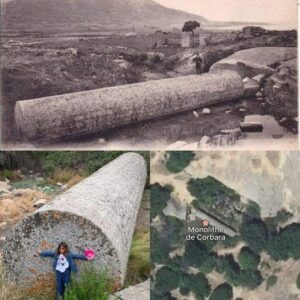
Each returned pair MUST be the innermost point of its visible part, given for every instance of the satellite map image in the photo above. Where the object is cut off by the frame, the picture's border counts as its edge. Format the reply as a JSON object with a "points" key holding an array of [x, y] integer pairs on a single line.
{"points": [[225, 225]]}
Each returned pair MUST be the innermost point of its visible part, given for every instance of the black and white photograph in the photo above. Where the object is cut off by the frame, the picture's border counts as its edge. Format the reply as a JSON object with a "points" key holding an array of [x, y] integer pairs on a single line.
{"points": [[147, 75]]}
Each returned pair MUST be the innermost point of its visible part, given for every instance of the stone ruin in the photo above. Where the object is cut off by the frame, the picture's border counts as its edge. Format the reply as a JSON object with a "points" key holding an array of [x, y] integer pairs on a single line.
{"points": [[186, 39], [98, 213], [77, 114]]}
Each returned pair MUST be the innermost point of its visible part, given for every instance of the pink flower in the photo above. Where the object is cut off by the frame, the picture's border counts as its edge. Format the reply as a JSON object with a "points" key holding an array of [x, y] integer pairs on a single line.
{"points": [[89, 254]]}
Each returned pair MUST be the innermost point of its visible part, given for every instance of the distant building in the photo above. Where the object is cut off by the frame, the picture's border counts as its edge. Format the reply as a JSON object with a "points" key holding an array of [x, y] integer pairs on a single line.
{"points": [[186, 39]]}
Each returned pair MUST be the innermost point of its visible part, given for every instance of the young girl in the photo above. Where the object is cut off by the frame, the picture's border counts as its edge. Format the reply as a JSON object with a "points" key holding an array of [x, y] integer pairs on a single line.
{"points": [[63, 264]]}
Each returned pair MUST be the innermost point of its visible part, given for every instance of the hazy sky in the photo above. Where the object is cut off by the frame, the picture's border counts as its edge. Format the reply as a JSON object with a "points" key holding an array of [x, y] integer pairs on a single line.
{"points": [[270, 11]]}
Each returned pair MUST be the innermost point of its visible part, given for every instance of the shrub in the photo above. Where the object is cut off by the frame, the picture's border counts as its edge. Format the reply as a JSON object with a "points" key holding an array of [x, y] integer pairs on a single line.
{"points": [[167, 279], [250, 279], [156, 59], [255, 234], [92, 285], [159, 196], [197, 283], [253, 209], [271, 281], [160, 248], [178, 161], [209, 190], [248, 259], [222, 292], [286, 243]]}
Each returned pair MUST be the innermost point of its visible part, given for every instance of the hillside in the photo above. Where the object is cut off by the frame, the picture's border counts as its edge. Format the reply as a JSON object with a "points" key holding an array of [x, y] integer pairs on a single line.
{"points": [[101, 12]]}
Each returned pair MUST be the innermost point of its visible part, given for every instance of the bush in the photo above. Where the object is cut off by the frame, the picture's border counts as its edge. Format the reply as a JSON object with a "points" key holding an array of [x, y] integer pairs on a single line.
{"points": [[271, 281], [178, 161], [222, 292], [253, 209], [198, 284], [159, 196], [251, 279], [255, 234], [285, 244], [209, 190], [248, 259], [92, 285], [167, 279], [156, 59], [160, 248]]}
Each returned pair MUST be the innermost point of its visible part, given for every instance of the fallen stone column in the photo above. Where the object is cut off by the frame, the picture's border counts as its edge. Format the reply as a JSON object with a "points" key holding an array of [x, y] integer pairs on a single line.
{"points": [[78, 114], [98, 213]]}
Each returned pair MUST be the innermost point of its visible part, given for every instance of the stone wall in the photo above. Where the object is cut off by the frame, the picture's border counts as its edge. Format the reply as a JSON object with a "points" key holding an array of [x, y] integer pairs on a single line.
{"points": [[98, 213]]}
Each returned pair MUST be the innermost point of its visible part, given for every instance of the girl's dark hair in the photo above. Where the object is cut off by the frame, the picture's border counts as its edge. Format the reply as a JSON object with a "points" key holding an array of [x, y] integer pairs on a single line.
{"points": [[63, 244]]}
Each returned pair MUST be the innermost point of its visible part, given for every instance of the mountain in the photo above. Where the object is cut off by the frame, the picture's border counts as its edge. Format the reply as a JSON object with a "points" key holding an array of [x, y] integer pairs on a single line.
{"points": [[144, 12]]}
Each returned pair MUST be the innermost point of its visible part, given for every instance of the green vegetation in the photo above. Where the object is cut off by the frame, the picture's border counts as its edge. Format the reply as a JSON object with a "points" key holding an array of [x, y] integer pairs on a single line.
{"points": [[91, 285], [255, 234], [298, 281], [160, 247], [138, 268], [285, 244], [168, 279], [51, 163], [222, 292], [259, 235], [271, 281], [253, 209], [178, 161], [208, 191], [248, 259], [159, 197]]}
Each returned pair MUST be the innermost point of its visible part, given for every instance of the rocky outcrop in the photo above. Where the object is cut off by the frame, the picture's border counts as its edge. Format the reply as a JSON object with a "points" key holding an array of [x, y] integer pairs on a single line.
{"points": [[98, 213], [252, 62]]}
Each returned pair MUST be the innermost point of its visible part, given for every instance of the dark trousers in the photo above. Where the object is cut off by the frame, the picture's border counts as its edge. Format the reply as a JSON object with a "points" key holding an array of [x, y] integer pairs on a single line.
{"points": [[199, 69], [62, 280]]}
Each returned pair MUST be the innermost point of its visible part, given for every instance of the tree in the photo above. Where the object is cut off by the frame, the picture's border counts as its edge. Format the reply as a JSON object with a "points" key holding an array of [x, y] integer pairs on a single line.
{"points": [[159, 197], [222, 292], [196, 283], [167, 279], [271, 281], [190, 26], [209, 191], [232, 270], [286, 243], [298, 281], [251, 279], [178, 161], [248, 259], [255, 234]]}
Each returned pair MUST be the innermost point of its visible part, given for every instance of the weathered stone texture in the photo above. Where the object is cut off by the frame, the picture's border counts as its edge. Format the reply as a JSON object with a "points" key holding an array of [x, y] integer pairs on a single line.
{"points": [[252, 62], [98, 213], [77, 114]]}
